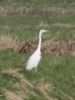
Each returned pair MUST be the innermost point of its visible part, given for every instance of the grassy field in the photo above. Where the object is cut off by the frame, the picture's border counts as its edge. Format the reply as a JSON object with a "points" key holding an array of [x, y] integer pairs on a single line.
{"points": [[35, 3], [55, 76]]}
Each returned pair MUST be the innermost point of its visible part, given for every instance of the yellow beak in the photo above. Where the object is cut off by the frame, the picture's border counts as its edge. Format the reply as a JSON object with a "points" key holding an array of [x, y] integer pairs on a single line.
{"points": [[47, 30]]}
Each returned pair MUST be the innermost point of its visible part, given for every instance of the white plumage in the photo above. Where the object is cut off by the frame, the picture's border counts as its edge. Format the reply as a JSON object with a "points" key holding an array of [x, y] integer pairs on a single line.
{"points": [[36, 56]]}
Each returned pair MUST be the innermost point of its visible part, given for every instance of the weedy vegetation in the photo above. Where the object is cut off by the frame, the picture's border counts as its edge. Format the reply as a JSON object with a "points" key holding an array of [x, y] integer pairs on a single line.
{"points": [[20, 22]]}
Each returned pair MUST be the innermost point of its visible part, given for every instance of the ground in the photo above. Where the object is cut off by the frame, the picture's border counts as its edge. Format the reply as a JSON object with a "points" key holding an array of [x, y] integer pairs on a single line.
{"points": [[20, 22]]}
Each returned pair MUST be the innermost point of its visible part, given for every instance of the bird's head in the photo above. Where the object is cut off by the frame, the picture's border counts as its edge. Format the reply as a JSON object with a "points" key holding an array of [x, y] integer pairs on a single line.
{"points": [[43, 31]]}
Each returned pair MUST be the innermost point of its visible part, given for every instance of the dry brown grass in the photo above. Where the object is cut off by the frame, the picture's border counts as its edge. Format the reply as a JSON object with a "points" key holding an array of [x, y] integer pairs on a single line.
{"points": [[10, 95], [63, 95], [5, 10], [63, 25], [25, 88], [15, 73], [44, 89], [49, 46], [67, 96], [6, 42], [40, 10], [27, 46], [42, 24]]}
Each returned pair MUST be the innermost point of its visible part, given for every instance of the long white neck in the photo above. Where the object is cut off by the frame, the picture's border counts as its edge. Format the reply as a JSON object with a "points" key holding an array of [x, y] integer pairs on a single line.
{"points": [[40, 40]]}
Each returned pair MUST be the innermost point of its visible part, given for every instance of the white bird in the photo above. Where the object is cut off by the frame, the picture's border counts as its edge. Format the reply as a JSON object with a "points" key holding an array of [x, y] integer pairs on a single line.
{"points": [[36, 56]]}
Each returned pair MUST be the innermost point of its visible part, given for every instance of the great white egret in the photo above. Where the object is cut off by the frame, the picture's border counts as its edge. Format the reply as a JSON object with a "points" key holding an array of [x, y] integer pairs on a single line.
{"points": [[36, 56]]}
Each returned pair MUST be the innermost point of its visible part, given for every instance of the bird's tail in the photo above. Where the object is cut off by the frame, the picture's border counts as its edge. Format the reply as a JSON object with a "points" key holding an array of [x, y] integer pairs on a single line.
{"points": [[28, 68]]}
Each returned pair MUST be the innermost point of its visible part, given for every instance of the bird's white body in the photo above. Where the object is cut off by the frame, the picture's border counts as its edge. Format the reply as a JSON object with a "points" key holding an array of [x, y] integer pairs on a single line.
{"points": [[36, 56], [33, 60]]}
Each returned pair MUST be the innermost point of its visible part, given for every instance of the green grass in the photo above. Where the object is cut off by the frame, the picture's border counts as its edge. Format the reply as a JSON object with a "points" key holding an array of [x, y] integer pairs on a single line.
{"points": [[28, 26], [55, 70], [39, 3]]}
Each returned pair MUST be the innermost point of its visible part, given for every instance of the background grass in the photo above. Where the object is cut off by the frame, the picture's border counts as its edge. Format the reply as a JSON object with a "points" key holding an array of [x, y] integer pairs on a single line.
{"points": [[34, 3], [28, 26], [58, 71]]}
